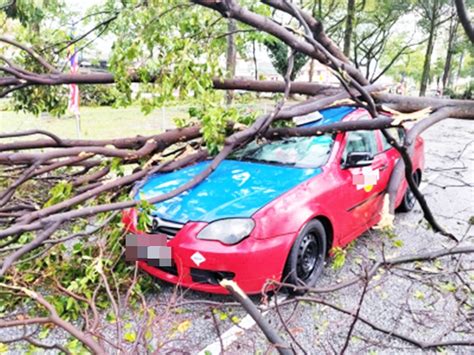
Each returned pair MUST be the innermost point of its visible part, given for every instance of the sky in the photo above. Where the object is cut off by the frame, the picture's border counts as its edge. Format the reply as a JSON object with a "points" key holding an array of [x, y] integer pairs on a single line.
{"points": [[81, 5]]}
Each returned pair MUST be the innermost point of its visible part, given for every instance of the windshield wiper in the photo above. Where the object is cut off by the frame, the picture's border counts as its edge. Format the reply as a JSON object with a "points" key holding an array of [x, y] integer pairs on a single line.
{"points": [[272, 162]]}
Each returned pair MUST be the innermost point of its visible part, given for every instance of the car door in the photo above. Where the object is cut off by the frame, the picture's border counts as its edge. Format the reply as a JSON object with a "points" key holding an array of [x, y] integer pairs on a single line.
{"points": [[362, 189]]}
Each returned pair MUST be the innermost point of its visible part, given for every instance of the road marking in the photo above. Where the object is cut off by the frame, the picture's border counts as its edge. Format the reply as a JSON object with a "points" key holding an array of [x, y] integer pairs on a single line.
{"points": [[233, 333]]}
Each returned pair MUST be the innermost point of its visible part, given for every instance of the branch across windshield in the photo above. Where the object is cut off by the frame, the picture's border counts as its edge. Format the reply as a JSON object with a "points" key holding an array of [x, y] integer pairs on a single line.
{"points": [[300, 152]]}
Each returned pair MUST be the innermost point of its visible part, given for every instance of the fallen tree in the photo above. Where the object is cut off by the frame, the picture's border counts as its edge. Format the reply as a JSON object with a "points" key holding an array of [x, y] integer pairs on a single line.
{"points": [[91, 171]]}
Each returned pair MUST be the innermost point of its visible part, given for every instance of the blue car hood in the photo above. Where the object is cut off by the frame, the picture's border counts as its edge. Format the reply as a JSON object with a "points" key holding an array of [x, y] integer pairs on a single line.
{"points": [[234, 189]]}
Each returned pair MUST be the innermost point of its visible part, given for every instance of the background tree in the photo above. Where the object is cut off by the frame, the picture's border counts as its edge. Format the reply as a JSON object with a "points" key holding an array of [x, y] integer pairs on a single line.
{"points": [[278, 52], [349, 26], [452, 29], [231, 56], [376, 43], [433, 13]]}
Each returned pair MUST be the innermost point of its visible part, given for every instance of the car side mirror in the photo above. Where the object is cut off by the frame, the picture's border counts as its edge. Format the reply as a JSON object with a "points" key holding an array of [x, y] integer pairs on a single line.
{"points": [[358, 160]]}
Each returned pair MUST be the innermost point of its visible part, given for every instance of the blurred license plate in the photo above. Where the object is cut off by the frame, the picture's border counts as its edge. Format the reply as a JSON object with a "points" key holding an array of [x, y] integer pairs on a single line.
{"points": [[148, 248]]}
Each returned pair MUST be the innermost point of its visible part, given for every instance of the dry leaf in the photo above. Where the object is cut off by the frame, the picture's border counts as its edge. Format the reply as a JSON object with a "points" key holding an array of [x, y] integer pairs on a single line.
{"points": [[183, 326], [386, 222], [399, 118]]}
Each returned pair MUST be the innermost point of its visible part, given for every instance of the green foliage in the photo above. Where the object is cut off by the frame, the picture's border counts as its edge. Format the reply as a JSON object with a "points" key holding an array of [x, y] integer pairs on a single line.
{"points": [[215, 118], [78, 268], [98, 95], [214, 122], [32, 12], [339, 257], [130, 336], [448, 287], [279, 53], [40, 99], [116, 167], [144, 215], [58, 193], [410, 65], [181, 56], [76, 347]]}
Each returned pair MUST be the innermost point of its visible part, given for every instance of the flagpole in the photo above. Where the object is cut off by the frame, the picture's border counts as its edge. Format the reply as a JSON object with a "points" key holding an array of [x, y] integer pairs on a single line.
{"points": [[78, 125]]}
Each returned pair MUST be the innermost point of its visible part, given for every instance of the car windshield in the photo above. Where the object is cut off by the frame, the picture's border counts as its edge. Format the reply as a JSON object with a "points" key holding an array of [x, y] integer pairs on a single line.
{"points": [[301, 152]]}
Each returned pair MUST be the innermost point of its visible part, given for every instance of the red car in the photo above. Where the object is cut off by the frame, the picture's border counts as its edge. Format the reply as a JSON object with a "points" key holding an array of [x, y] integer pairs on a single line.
{"points": [[273, 210]]}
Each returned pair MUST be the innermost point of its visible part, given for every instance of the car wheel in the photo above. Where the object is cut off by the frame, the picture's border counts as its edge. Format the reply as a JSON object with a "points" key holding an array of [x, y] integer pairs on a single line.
{"points": [[409, 199], [306, 259]]}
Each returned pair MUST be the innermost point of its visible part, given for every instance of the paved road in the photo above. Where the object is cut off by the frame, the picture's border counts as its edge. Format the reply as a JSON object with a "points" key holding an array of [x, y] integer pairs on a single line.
{"points": [[422, 304], [394, 300]]}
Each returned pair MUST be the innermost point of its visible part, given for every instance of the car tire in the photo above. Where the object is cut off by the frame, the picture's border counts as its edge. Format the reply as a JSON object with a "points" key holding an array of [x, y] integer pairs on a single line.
{"points": [[307, 256], [409, 199]]}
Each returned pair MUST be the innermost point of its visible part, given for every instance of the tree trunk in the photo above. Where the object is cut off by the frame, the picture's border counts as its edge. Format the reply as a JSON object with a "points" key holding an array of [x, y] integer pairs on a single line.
{"points": [[254, 56], [349, 26], [231, 56], [429, 50], [461, 61], [449, 53]]}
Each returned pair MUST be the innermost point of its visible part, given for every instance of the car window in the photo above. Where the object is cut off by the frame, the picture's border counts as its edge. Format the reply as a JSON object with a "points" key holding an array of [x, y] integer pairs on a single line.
{"points": [[301, 152], [397, 133], [360, 141]]}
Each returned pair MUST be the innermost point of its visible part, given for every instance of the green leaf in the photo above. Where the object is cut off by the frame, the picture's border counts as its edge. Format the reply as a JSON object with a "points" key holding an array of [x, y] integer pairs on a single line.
{"points": [[448, 287], [58, 193], [339, 258], [3, 348], [419, 295], [397, 243], [183, 326], [130, 337]]}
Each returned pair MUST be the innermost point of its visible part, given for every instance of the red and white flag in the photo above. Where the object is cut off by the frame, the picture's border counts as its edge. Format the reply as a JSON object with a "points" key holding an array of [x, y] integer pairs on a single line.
{"points": [[73, 88]]}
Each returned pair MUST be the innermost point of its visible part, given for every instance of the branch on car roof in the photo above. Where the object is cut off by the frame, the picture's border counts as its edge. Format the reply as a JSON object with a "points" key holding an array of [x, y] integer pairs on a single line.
{"points": [[62, 211]]}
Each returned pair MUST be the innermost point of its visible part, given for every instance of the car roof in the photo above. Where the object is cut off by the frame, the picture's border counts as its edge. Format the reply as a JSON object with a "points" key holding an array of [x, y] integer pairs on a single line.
{"points": [[331, 115]]}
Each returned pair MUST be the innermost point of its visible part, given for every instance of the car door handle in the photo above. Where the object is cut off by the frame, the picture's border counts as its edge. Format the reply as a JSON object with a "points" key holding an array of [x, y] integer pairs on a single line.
{"points": [[381, 166]]}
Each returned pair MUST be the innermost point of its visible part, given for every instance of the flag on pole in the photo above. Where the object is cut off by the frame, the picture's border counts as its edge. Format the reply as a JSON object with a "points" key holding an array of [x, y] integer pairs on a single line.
{"points": [[73, 105], [73, 88]]}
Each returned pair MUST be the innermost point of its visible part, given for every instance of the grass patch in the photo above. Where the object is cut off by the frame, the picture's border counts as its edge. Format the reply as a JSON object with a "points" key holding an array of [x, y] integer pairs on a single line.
{"points": [[96, 122]]}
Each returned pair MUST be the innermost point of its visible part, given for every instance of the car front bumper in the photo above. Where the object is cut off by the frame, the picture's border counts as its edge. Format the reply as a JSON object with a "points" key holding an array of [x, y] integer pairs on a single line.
{"points": [[200, 264]]}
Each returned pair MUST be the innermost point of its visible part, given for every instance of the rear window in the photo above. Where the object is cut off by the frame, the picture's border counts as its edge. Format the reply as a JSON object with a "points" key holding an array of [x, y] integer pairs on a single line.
{"points": [[397, 133]]}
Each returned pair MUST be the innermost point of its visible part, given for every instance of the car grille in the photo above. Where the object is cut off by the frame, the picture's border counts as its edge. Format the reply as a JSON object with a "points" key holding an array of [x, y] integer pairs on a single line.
{"points": [[170, 229]]}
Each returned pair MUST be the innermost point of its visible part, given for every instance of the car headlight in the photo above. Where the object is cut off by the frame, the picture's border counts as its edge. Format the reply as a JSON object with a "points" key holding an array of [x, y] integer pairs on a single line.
{"points": [[228, 231]]}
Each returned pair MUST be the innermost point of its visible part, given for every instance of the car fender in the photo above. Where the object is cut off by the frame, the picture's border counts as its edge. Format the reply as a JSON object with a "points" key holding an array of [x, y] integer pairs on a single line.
{"points": [[292, 211]]}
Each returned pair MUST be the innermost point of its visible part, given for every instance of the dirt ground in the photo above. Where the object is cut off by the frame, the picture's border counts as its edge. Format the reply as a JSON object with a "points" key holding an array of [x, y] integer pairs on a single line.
{"points": [[426, 301]]}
